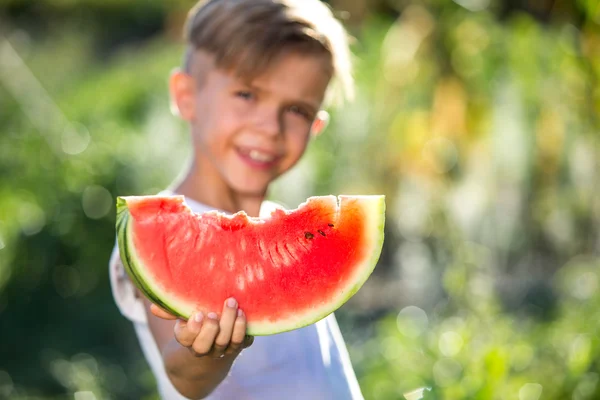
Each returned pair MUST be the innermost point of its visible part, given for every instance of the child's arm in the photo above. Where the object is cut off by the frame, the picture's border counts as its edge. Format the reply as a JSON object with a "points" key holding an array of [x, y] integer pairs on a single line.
{"points": [[190, 349], [198, 355]]}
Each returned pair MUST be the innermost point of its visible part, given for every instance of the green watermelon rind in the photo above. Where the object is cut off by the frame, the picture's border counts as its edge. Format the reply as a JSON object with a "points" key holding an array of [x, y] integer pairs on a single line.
{"points": [[128, 258], [376, 218]]}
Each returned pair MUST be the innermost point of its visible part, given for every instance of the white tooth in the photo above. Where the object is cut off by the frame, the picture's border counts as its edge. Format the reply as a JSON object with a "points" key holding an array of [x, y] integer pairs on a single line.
{"points": [[259, 156]]}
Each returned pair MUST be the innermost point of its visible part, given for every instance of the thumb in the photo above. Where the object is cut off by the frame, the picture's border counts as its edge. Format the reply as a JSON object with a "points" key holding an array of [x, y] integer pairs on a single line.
{"points": [[160, 313]]}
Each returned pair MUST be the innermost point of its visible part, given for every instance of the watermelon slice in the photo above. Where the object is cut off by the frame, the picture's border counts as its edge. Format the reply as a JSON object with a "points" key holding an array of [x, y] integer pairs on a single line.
{"points": [[287, 271]]}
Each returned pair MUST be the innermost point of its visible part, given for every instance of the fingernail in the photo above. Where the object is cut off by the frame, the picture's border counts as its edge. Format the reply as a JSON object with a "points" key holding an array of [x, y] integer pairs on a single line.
{"points": [[199, 317], [213, 315], [231, 303], [240, 312]]}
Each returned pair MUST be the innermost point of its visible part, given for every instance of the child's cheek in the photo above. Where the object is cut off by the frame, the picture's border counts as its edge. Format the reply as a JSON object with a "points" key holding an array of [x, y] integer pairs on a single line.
{"points": [[240, 108]]}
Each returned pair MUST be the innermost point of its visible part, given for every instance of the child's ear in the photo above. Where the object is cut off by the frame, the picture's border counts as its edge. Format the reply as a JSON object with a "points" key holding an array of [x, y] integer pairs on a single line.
{"points": [[182, 89], [320, 123]]}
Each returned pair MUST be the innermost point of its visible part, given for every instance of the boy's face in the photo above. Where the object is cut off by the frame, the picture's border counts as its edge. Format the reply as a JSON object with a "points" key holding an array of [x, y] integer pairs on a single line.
{"points": [[247, 134]]}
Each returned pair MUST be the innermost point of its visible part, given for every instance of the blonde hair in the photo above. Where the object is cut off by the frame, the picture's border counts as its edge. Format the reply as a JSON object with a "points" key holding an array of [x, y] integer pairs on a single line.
{"points": [[245, 36]]}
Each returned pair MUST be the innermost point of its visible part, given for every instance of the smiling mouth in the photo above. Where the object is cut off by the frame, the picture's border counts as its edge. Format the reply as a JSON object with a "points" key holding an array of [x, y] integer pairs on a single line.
{"points": [[258, 158]]}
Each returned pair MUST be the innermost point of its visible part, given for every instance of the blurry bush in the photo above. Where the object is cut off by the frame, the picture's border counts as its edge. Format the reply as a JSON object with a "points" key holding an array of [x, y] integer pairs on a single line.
{"points": [[102, 129], [480, 125]]}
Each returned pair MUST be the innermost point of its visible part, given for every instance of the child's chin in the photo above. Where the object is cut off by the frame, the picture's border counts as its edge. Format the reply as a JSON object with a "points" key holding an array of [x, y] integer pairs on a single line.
{"points": [[251, 189], [255, 184]]}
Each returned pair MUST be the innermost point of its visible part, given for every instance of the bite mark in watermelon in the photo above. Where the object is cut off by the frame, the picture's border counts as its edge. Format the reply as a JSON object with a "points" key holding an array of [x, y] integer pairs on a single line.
{"points": [[287, 271]]}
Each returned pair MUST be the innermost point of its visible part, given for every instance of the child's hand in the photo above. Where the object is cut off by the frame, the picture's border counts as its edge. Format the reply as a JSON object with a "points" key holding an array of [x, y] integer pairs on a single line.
{"points": [[206, 335]]}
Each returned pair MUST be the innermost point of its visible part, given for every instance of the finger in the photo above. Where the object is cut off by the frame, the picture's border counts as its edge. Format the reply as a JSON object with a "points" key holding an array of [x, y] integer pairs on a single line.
{"points": [[160, 313], [239, 329], [187, 331], [206, 338], [228, 318], [239, 333]]}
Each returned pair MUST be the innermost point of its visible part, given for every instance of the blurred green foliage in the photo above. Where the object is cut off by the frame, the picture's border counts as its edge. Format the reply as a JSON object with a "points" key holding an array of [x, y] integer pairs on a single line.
{"points": [[480, 125]]}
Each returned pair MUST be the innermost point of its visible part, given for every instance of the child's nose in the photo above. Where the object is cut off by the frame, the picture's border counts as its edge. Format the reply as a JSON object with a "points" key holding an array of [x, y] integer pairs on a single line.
{"points": [[270, 122]]}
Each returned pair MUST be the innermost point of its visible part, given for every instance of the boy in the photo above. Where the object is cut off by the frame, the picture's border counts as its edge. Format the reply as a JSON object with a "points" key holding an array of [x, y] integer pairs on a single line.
{"points": [[255, 76]]}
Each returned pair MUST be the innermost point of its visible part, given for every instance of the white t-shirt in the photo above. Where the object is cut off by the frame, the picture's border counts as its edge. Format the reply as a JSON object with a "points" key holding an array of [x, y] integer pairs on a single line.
{"points": [[310, 363]]}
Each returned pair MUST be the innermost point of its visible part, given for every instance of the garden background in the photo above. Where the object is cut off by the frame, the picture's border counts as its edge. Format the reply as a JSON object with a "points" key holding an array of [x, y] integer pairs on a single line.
{"points": [[478, 119]]}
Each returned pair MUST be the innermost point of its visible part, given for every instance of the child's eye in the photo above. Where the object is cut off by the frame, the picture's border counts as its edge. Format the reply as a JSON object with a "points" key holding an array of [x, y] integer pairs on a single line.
{"points": [[299, 111], [245, 94]]}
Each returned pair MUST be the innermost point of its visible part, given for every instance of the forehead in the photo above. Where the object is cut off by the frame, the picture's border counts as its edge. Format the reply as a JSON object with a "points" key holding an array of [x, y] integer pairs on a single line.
{"points": [[292, 75], [295, 75]]}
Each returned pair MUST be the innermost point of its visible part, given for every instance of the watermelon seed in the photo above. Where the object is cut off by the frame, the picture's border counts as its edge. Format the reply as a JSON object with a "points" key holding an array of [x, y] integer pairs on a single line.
{"points": [[321, 232], [308, 235], [330, 225]]}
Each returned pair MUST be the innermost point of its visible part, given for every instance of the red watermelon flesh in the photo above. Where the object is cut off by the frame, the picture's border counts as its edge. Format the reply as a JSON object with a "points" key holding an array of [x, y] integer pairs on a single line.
{"points": [[286, 271]]}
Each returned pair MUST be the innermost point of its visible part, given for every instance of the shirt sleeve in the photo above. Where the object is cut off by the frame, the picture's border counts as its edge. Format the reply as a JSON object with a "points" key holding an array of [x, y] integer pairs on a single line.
{"points": [[124, 292]]}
